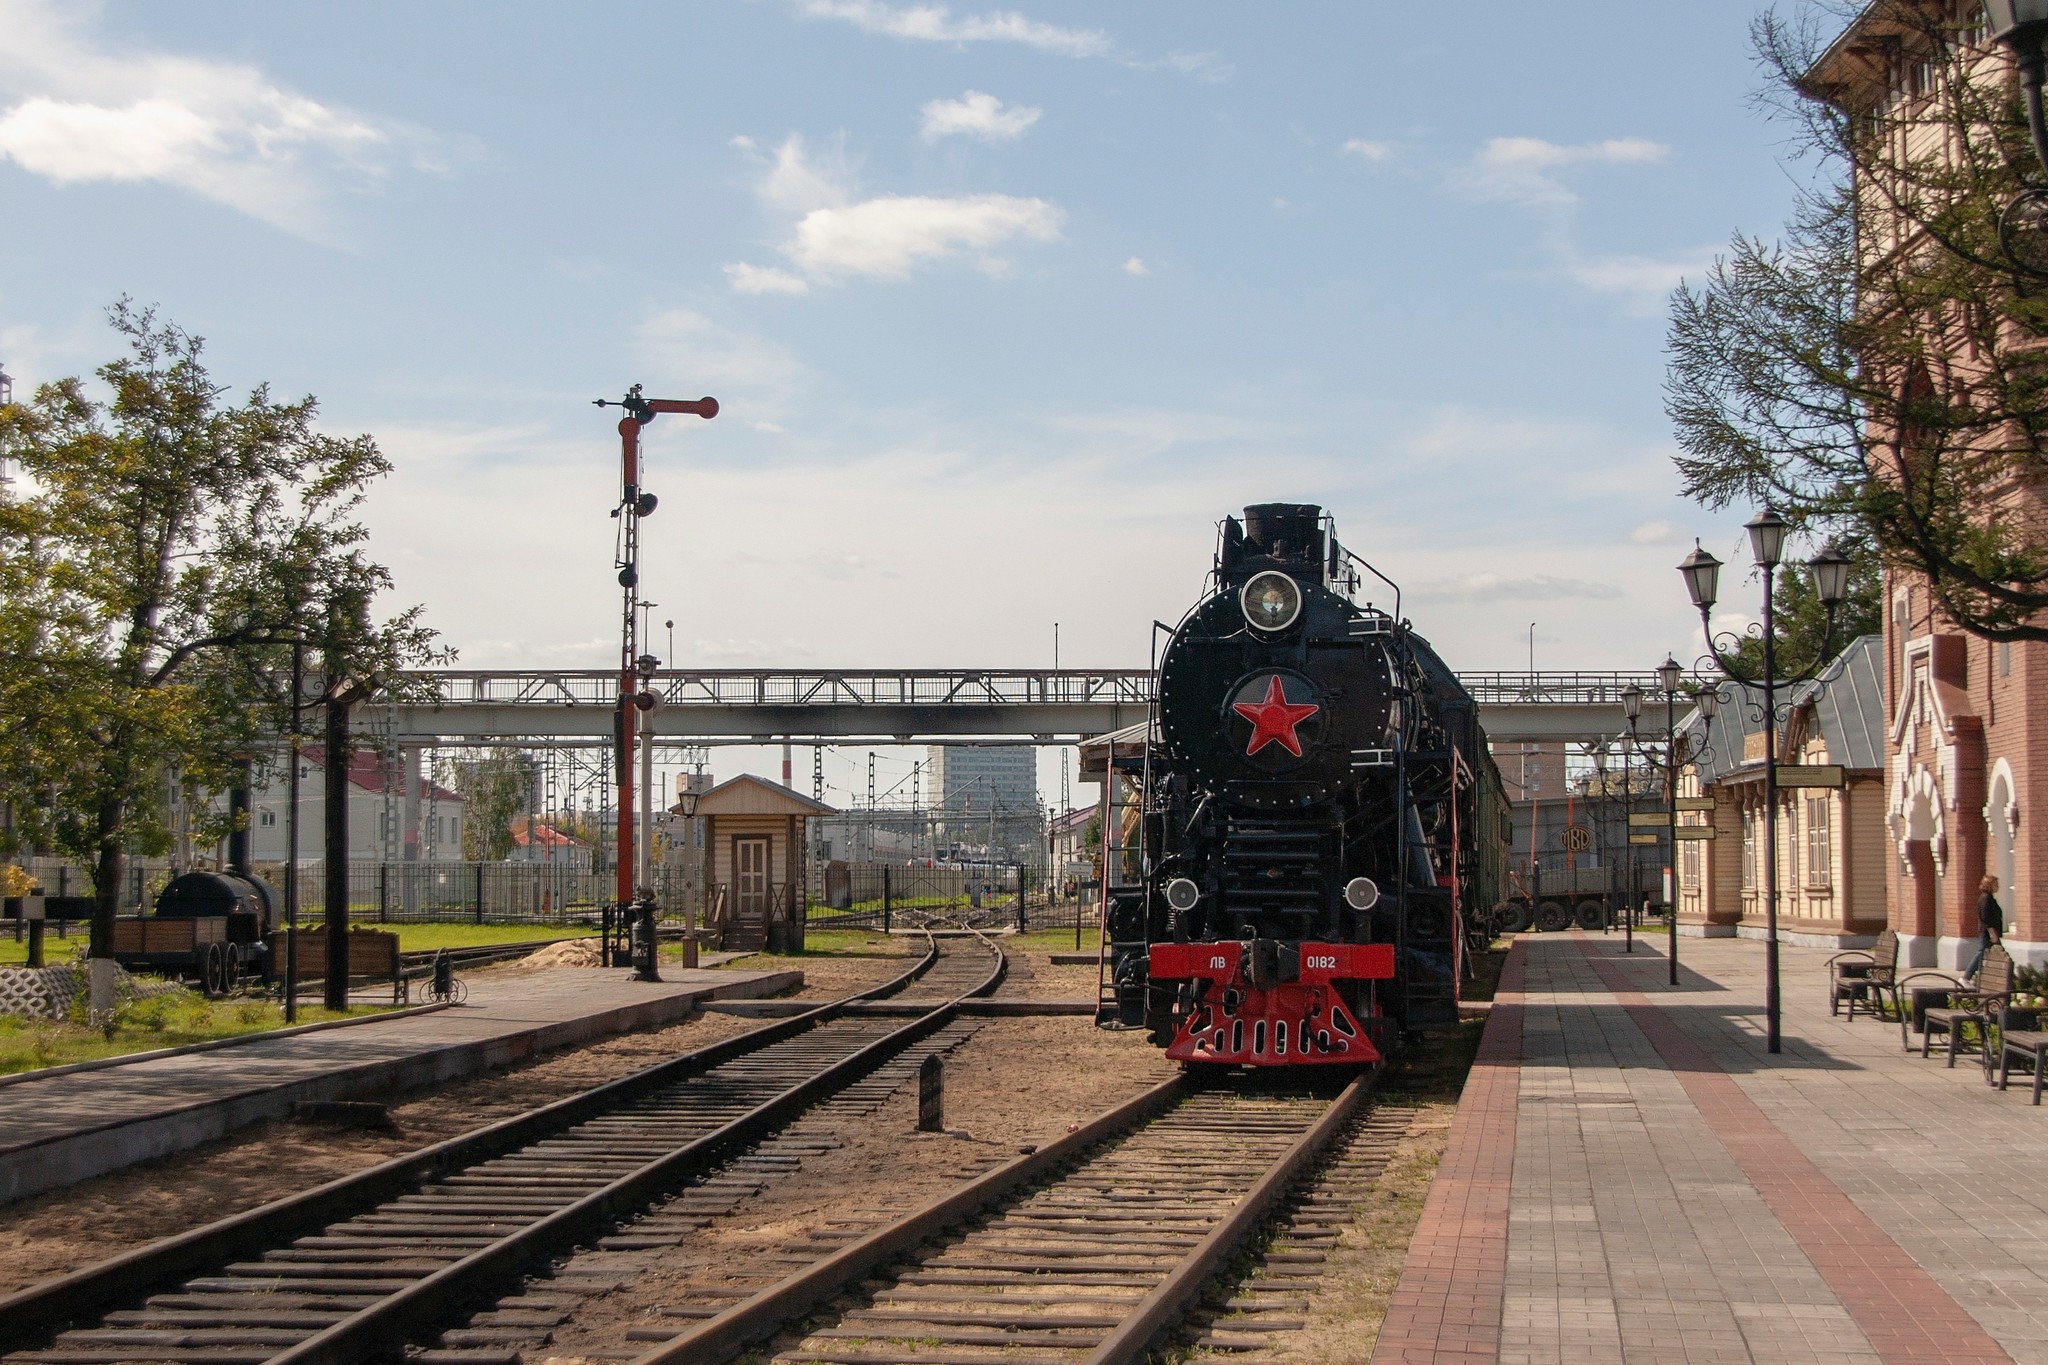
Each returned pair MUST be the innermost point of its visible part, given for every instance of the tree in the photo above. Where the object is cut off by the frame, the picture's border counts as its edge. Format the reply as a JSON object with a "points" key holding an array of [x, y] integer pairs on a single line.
{"points": [[1881, 371], [495, 787], [186, 546]]}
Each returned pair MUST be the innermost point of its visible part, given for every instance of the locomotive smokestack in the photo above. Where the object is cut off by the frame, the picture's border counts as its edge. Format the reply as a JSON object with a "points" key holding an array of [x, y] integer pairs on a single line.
{"points": [[1290, 532]]}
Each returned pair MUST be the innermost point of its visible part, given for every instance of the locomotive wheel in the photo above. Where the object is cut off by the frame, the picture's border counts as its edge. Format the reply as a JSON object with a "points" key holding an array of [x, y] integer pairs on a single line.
{"points": [[1553, 918], [213, 969], [1592, 914], [233, 974], [1516, 918]]}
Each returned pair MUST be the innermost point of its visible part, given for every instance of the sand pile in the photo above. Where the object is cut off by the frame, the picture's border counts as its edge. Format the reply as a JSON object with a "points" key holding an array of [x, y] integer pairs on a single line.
{"points": [[574, 952]]}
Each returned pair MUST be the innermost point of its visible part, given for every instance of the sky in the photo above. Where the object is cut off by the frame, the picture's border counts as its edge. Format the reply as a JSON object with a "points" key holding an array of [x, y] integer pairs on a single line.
{"points": [[1004, 307]]}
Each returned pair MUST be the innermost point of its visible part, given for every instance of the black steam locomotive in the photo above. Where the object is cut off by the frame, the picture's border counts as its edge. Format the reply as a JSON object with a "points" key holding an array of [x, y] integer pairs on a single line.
{"points": [[1320, 818]]}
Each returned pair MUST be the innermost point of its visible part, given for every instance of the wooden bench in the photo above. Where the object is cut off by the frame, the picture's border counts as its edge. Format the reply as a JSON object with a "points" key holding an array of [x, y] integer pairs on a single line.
{"points": [[1979, 1004], [372, 956]]}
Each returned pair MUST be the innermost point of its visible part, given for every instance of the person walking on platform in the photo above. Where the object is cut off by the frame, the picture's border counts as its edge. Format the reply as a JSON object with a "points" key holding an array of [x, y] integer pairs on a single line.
{"points": [[1990, 925]]}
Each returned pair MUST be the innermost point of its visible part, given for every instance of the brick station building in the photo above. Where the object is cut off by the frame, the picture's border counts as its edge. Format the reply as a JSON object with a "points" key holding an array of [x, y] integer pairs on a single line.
{"points": [[1966, 738]]}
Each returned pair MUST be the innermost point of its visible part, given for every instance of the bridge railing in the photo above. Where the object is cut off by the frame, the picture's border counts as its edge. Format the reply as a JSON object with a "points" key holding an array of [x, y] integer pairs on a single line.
{"points": [[793, 687], [1573, 688], [935, 687]]}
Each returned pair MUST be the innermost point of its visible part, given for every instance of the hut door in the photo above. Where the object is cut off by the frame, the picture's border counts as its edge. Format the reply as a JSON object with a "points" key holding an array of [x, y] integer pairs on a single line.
{"points": [[750, 877]]}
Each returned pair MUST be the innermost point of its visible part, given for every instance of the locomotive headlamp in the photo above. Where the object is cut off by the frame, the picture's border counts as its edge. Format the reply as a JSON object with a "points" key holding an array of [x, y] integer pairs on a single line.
{"points": [[1183, 894], [1271, 600], [1361, 893]]}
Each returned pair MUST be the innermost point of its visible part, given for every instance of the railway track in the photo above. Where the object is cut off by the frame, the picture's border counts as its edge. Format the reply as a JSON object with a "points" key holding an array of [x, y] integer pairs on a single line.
{"points": [[1096, 1249], [356, 1268]]}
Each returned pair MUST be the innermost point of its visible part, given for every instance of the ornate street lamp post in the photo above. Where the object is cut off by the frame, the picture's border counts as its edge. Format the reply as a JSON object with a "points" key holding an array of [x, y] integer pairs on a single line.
{"points": [[1670, 676], [2022, 25], [1702, 572]]}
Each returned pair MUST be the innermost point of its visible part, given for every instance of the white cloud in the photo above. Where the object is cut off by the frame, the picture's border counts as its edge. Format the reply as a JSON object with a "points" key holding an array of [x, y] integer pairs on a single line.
{"points": [[1657, 533], [1203, 66], [975, 114], [888, 236], [1643, 282], [937, 24], [834, 236], [1136, 266], [1520, 170], [797, 181], [688, 351], [1495, 587], [764, 279], [76, 112], [1367, 150]]}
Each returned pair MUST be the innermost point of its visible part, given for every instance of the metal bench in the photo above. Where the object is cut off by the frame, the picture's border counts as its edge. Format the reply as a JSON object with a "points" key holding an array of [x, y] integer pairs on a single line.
{"points": [[2019, 1035], [1868, 980], [1979, 1004], [1853, 975]]}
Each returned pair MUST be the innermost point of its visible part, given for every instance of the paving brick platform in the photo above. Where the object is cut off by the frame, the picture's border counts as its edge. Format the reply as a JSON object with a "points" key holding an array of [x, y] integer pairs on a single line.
{"points": [[1631, 1176], [63, 1128]]}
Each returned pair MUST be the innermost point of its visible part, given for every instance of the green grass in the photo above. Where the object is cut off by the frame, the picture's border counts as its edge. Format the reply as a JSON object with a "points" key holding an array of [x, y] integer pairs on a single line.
{"points": [[422, 938], [412, 938], [145, 1025], [1057, 940]]}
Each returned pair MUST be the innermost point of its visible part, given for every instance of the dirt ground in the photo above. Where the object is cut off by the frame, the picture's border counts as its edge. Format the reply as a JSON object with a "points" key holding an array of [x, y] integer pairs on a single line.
{"points": [[1016, 1083]]}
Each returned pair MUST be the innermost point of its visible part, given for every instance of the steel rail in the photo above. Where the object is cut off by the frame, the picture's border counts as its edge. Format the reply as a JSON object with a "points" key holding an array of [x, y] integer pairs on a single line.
{"points": [[1156, 1314], [30, 1313], [373, 1330], [755, 1320]]}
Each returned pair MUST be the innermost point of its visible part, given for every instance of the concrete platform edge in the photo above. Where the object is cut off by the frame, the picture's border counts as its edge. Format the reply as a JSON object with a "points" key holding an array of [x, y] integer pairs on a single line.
{"points": [[65, 1160], [215, 1044]]}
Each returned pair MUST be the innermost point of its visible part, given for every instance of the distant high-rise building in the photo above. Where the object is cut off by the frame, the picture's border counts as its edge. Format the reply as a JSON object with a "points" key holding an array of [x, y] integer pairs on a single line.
{"points": [[985, 793]]}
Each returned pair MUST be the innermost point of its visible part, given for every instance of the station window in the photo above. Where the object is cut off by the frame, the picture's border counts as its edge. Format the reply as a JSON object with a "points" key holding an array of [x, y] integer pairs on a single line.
{"points": [[267, 818], [1748, 852], [1818, 846]]}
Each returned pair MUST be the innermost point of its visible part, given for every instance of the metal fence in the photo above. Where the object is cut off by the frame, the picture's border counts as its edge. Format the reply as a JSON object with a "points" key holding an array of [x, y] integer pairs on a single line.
{"points": [[838, 895], [384, 893], [890, 895]]}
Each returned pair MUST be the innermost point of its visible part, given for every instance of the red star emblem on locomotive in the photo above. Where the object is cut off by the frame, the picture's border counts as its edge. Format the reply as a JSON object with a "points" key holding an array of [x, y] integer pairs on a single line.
{"points": [[1273, 720]]}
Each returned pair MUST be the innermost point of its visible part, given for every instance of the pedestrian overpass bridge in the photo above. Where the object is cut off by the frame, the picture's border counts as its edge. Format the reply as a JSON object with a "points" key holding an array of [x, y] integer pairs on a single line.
{"points": [[891, 706]]}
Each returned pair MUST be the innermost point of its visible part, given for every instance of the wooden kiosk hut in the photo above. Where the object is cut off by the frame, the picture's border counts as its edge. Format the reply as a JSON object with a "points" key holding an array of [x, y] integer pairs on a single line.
{"points": [[754, 864]]}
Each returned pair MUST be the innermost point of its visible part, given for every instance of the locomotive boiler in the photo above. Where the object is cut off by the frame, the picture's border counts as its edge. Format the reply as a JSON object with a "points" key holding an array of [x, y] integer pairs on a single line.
{"points": [[1320, 817]]}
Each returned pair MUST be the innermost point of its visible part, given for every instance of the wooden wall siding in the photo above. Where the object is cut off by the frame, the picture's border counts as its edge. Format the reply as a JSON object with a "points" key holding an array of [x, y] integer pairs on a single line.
{"points": [[776, 828]]}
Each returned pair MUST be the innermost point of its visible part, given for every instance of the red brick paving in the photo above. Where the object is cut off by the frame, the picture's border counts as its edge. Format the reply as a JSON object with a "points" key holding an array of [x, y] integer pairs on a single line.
{"points": [[1447, 1306], [1904, 1313]]}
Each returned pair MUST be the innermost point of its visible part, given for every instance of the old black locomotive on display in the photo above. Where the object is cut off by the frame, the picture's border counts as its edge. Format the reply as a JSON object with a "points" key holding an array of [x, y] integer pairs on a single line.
{"points": [[1322, 823]]}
